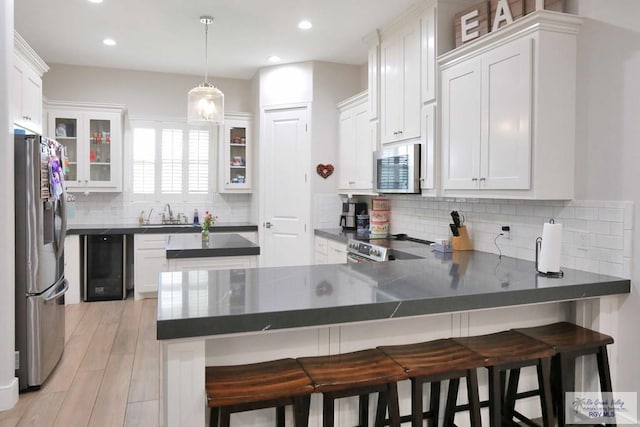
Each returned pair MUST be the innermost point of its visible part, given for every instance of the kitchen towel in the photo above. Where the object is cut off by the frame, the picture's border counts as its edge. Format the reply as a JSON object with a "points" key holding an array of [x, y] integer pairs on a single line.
{"points": [[549, 261]]}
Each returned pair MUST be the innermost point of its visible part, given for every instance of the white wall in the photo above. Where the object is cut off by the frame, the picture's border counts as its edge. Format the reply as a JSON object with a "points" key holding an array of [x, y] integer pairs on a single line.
{"points": [[8, 381], [608, 148], [146, 94]]}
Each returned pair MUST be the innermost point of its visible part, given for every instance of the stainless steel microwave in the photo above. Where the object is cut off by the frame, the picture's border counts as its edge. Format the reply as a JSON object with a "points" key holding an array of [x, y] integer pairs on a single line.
{"points": [[397, 169]]}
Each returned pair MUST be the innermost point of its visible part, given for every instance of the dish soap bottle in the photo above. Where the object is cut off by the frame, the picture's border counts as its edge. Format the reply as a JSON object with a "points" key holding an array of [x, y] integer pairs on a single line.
{"points": [[196, 220]]}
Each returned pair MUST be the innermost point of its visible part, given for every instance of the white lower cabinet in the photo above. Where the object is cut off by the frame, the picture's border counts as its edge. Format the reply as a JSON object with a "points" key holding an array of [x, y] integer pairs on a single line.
{"points": [[213, 263], [329, 251], [150, 258], [72, 269], [321, 255]]}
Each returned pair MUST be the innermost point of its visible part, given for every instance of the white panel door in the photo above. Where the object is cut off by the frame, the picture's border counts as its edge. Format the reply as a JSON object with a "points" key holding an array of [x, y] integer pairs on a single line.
{"points": [[363, 149], [461, 126], [411, 94], [505, 149], [285, 159]]}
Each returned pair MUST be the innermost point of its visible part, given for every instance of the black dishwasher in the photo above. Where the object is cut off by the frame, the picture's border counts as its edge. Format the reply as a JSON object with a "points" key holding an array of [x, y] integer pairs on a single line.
{"points": [[105, 267]]}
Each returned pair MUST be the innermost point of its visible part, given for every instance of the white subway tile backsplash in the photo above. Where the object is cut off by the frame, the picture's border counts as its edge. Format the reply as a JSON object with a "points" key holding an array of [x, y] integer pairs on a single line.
{"points": [[586, 213], [605, 246], [611, 214]]}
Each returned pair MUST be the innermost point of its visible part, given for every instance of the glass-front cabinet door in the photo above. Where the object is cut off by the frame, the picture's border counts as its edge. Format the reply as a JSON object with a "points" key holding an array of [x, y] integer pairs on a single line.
{"points": [[93, 141], [66, 133], [235, 155], [99, 151]]}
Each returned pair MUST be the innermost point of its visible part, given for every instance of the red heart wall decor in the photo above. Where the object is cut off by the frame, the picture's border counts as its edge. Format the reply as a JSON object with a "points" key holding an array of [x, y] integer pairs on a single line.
{"points": [[324, 170]]}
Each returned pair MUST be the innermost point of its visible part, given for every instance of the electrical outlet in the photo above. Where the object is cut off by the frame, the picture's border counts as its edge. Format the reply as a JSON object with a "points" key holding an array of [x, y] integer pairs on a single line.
{"points": [[582, 239], [17, 360], [506, 231]]}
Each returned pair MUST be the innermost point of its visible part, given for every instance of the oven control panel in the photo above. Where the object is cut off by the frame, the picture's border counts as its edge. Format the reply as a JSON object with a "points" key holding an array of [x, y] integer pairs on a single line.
{"points": [[366, 250]]}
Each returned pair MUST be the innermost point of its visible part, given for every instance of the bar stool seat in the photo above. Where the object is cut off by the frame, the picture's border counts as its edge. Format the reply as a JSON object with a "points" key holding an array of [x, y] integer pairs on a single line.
{"points": [[248, 387], [510, 351], [356, 374], [432, 362], [571, 341]]}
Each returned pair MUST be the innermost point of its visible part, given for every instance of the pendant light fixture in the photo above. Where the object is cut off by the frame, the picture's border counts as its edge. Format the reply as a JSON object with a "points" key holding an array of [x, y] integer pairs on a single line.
{"points": [[205, 102]]}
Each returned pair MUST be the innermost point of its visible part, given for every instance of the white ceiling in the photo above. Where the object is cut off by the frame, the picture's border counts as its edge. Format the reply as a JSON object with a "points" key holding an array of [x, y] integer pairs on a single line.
{"points": [[167, 36]]}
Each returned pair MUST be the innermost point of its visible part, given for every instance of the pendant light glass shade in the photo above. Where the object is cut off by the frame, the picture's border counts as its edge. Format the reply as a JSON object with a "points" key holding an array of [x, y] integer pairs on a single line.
{"points": [[205, 102]]}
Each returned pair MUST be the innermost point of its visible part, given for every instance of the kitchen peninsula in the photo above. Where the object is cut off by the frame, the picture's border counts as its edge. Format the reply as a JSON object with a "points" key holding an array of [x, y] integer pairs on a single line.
{"points": [[249, 315]]}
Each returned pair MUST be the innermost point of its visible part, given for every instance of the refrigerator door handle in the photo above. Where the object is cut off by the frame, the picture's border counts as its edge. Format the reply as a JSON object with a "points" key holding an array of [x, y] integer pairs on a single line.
{"points": [[63, 226], [55, 293]]}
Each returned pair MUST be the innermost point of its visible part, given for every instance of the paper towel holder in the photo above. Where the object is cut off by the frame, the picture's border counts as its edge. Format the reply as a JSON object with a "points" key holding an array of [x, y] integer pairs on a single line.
{"points": [[545, 273]]}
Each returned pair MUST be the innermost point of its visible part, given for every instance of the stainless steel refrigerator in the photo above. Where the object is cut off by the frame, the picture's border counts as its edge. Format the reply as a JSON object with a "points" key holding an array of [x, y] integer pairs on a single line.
{"points": [[39, 253]]}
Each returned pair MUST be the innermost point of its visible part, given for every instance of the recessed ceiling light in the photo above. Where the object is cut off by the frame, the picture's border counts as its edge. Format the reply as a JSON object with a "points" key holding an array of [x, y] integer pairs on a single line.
{"points": [[304, 25], [109, 42], [274, 58], [95, 1]]}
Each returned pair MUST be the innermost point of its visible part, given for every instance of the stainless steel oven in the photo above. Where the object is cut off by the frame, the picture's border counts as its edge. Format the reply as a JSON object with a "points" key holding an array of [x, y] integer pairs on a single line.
{"points": [[359, 252]]}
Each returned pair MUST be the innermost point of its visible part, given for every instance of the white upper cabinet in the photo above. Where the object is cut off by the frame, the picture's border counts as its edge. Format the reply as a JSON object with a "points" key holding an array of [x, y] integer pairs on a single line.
{"points": [[235, 145], [26, 86], [486, 106], [400, 99], [508, 111], [356, 146], [92, 136]]}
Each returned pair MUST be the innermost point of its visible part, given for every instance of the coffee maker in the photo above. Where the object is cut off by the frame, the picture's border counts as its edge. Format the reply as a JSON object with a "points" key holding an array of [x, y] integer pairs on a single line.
{"points": [[349, 212]]}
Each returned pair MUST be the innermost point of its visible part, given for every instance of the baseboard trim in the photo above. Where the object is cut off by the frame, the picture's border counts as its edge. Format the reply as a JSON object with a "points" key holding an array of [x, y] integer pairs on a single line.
{"points": [[9, 395]]}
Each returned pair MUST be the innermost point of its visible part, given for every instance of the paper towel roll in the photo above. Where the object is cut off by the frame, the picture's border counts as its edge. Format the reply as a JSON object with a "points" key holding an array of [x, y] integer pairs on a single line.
{"points": [[549, 261]]}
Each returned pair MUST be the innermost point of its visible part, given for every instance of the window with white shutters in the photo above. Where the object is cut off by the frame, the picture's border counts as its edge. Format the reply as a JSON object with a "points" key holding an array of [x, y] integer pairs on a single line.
{"points": [[144, 149], [198, 162], [170, 160]]}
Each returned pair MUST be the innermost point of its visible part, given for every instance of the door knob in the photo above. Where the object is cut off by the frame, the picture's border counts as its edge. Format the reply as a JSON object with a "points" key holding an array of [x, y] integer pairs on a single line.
{"points": [[268, 225]]}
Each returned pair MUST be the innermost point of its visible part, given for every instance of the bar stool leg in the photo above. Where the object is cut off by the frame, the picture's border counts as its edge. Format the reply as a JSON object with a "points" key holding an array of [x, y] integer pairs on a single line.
{"points": [[604, 373], [225, 418], [452, 399], [495, 397], [327, 411], [544, 373], [434, 405], [416, 402], [280, 417], [363, 407], [213, 417], [381, 409], [567, 378], [394, 406], [301, 405], [512, 392], [474, 398]]}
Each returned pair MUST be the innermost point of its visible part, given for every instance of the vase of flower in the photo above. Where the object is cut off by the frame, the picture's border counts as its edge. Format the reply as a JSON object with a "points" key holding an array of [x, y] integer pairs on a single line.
{"points": [[207, 222]]}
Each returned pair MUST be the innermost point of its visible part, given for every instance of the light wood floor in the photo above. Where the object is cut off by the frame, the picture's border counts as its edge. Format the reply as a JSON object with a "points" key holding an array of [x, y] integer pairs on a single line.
{"points": [[109, 374]]}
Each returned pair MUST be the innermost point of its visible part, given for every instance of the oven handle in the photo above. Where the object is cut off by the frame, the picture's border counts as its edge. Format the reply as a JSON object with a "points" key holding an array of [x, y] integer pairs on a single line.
{"points": [[355, 259]]}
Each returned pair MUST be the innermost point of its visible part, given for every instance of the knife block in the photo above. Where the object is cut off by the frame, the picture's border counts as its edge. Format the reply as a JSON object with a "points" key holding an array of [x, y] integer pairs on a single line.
{"points": [[462, 242]]}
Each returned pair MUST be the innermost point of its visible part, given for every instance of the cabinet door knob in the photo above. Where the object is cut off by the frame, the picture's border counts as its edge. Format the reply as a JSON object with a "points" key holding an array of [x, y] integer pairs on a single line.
{"points": [[474, 179], [400, 132], [483, 179]]}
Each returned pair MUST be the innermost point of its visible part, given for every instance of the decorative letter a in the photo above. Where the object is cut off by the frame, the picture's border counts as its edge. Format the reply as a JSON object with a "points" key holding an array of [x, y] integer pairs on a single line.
{"points": [[503, 13]]}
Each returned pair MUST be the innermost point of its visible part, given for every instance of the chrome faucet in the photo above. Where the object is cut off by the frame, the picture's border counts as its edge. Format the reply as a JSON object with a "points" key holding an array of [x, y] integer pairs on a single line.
{"points": [[170, 211], [149, 216]]}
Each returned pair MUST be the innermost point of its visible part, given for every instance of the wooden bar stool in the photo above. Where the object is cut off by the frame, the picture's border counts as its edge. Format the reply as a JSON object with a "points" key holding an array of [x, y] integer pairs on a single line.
{"points": [[432, 362], [571, 341], [359, 373], [506, 351], [272, 384]]}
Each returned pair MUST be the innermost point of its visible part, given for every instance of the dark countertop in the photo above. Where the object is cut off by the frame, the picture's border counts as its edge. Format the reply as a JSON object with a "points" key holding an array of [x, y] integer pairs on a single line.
{"points": [[221, 302], [228, 227], [191, 246]]}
